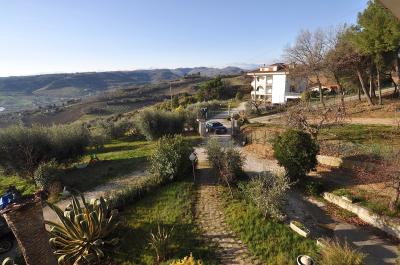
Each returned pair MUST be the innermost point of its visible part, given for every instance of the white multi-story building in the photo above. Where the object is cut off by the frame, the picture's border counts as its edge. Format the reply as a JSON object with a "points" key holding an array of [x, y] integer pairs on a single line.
{"points": [[273, 84]]}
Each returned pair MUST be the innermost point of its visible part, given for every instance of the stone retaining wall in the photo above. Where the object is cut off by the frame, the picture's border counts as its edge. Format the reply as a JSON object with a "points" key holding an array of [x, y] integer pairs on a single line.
{"points": [[385, 223]]}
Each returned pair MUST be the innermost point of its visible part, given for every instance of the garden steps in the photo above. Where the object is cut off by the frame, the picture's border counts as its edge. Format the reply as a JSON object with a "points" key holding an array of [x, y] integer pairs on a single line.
{"points": [[210, 218]]}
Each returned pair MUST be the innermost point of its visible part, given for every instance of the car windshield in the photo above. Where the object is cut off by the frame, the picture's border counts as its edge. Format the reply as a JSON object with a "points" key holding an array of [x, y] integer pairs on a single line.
{"points": [[217, 124]]}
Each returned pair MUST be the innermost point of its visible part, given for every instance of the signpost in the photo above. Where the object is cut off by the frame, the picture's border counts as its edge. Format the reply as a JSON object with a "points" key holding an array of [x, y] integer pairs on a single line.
{"points": [[193, 158]]}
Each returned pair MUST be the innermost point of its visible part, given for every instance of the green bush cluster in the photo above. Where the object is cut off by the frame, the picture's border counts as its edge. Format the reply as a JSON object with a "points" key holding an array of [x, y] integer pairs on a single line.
{"points": [[268, 193], [170, 158], [121, 198], [154, 124], [46, 173], [24, 148], [297, 152], [226, 161]]}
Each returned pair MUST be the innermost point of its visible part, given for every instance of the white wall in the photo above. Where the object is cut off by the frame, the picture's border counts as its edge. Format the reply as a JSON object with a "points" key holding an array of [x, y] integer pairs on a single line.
{"points": [[278, 89]]}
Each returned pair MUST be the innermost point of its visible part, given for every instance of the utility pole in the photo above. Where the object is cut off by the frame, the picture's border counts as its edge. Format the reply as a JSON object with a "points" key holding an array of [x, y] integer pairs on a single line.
{"points": [[255, 89], [170, 92]]}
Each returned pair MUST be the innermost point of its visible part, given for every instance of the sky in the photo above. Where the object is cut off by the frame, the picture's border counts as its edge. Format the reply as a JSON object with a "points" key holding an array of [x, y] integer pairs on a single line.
{"points": [[47, 36]]}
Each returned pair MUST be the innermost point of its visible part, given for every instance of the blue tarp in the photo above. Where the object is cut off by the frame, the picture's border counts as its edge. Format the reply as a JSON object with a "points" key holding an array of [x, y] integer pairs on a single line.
{"points": [[6, 200]]}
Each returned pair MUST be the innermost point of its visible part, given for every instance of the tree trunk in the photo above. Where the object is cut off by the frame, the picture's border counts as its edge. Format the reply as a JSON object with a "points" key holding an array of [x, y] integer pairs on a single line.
{"points": [[371, 85], [360, 78], [321, 96], [359, 94], [395, 91], [378, 79], [26, 222], [340, 89]]}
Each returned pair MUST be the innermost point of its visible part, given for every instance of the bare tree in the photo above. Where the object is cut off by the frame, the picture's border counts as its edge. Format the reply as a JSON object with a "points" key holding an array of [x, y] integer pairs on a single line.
{"points": [[311, 119], [309, 52]]}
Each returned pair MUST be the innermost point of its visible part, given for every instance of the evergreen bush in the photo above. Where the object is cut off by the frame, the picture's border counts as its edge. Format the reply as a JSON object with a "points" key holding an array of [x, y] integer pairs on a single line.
{"points": [[170, 158], [297, 152]]}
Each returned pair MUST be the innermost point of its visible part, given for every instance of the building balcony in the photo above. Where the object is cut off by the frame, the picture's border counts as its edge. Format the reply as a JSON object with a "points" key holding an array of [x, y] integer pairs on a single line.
{"points": [[263, 92]]}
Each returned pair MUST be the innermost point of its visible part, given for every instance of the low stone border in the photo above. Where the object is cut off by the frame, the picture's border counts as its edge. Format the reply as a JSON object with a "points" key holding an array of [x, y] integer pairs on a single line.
{"points": [[331, 161], [338, 162], [301, 231], [388, 224]]}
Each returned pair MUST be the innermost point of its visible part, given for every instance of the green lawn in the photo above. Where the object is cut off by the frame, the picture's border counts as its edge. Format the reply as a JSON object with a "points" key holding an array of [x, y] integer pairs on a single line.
{"points": [[170, 206], [118, 158], [273, 242], [354, 139], [25, 186]]}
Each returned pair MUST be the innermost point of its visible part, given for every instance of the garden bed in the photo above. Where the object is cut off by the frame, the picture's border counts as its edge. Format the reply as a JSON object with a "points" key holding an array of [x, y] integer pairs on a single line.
{"points": [[271, 241], [171, 207]]}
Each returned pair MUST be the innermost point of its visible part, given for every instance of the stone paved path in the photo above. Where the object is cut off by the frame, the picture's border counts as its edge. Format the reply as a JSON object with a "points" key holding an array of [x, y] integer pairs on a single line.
{"points": [[102, 190], [210, 218]]}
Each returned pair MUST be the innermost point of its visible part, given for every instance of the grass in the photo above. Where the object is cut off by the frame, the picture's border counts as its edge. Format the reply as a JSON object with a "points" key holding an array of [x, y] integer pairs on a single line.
{"points": [[25, 186], [273, 242], [357, 139], [376, 204], [170, 206], [118, 158]]}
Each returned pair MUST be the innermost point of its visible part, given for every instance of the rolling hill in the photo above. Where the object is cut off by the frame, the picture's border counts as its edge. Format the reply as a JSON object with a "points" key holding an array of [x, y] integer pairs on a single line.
{"points": [[80, 84]]}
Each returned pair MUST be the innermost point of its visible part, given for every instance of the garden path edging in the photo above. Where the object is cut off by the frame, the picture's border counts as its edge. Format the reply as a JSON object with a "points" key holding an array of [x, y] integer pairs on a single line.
{"points": [[387, 224]]}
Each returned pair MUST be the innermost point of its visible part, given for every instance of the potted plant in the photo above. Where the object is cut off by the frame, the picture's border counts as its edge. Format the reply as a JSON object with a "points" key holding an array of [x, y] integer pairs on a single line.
{"points": [[304, 260], [300, 228]]}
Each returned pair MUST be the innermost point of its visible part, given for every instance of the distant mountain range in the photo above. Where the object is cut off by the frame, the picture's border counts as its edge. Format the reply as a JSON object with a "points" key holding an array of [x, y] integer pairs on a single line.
{"points": [[78, 84]]}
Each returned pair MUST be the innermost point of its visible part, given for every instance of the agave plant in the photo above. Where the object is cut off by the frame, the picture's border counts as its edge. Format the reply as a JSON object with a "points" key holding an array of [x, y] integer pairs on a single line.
{"points": [[85, 233]]}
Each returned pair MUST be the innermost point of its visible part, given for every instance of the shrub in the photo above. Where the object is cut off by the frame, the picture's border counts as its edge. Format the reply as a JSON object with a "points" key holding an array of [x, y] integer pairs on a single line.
{"points": [[120, 198], [248, 109], [23, 149], [268, 192], [68, 142], [305, 96], [160, 241], [239, 95], [187, 261], [121, 127], [297, 152], [170, 158], [46, 173], [227, 162], [86, 231], [314, 188], [154, 124], [334, 253]]}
